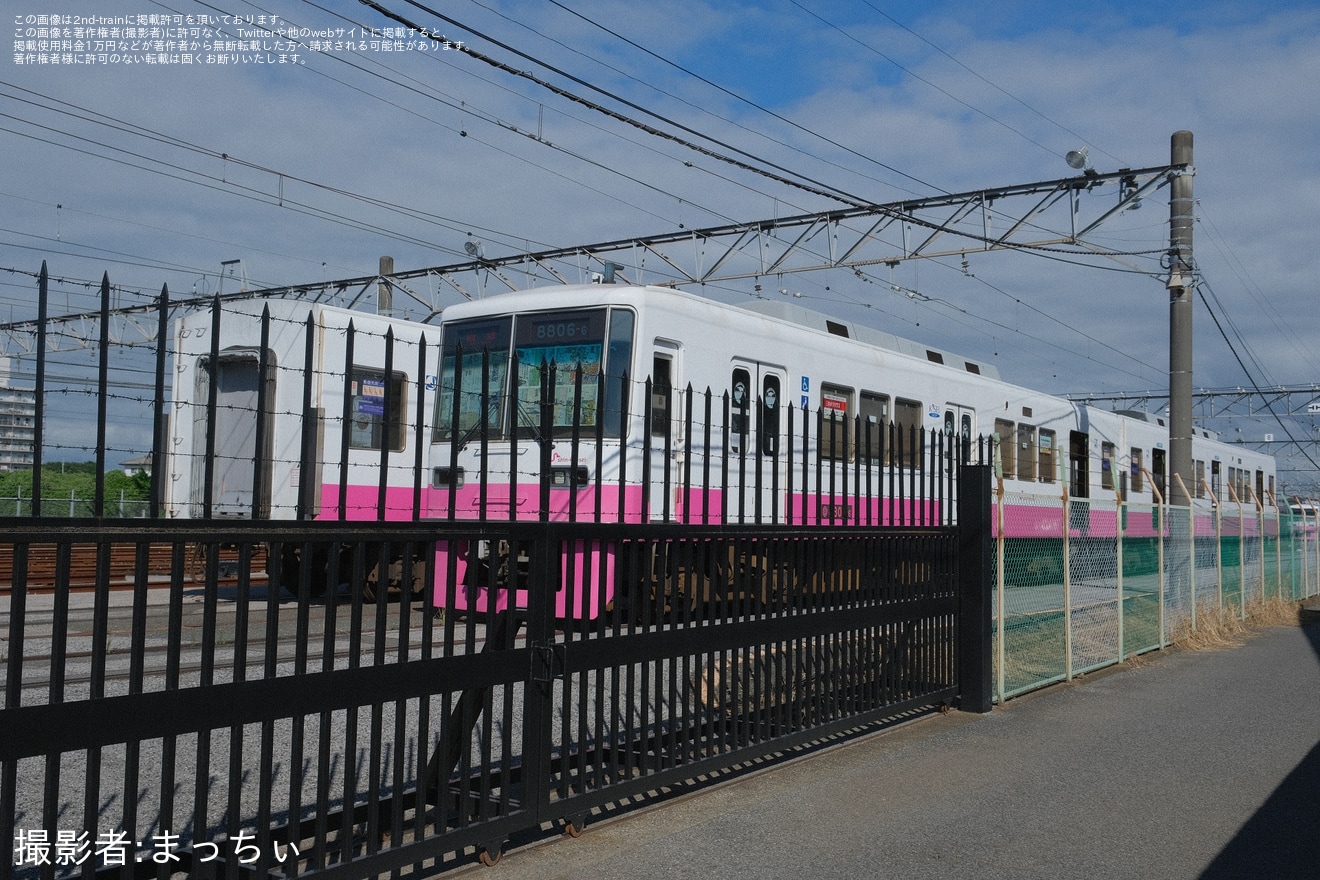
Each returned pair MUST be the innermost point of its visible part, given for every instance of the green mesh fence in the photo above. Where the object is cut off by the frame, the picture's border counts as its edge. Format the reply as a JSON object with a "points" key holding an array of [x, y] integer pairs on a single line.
{"points": [[1299, 564], [1170, 532], [1031, 638], [1088, 583], [1093, 585]]}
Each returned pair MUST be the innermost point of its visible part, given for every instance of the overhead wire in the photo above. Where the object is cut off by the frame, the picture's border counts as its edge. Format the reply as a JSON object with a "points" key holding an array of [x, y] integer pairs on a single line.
{"points": [[236, 160], [730, 93], [1234, 351], [650, 53], [1282, 327], [221, 183], [748, 162], [370, 4], [985, 320], [466, 107], [917, 76], [61, 207], [396, 78], [795, 4], [292, 177], [1005, 92]]}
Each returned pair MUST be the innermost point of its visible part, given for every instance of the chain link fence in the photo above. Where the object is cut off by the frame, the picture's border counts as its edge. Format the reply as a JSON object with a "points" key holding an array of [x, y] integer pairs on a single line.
{"points": [[1085, 583], [75, 505]]}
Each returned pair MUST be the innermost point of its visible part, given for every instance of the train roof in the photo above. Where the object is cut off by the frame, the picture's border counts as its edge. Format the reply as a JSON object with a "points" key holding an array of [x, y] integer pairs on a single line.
{"points": [[792, 313], [803, 317], [789, 313], [1143, 416], [294, 311]]}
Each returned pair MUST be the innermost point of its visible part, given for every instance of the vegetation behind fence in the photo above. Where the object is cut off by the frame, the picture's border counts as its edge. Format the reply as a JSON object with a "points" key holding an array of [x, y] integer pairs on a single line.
{"points": [[69, 490]]}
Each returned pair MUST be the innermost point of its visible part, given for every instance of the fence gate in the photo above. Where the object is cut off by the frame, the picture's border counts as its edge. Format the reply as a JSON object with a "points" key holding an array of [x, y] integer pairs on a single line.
{"points": [[168, 711]]}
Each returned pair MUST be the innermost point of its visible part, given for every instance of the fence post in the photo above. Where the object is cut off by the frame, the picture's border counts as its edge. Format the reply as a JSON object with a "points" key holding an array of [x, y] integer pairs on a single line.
{"points": [[974, 573], [1120, 526]]}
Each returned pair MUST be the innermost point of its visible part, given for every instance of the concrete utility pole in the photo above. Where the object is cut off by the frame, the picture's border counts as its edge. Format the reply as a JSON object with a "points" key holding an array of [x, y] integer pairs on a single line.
{"points": [[1181, 284]]}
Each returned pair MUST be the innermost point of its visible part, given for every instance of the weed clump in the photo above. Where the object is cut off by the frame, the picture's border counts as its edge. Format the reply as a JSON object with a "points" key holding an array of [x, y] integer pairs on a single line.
{"points": [[1227, 626]]}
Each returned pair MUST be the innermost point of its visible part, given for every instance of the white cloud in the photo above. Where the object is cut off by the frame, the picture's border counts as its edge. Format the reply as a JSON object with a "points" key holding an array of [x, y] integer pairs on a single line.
{"points": [[1119, 79]]}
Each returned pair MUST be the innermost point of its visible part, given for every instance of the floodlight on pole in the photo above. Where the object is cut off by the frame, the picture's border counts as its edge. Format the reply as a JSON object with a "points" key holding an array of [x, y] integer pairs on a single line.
{"points": [[1078, 159]]}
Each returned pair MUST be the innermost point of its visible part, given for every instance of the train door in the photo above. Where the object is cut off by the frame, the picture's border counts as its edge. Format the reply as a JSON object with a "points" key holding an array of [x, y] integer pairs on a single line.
{"points": [[235, 460], [757, 426], [666, 420], [1079, 464], [959, 429]]}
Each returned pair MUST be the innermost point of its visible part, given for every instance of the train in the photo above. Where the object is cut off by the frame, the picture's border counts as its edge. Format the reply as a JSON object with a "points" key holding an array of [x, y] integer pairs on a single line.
{"points": [[857, 394], [307, 410], [614, 402], [293, 411]]}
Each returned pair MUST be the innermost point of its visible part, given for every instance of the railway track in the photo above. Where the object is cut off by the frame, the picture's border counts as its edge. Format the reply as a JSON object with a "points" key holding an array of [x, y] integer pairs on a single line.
{"points": [[165, 643], [78, 565], [159, 661]]}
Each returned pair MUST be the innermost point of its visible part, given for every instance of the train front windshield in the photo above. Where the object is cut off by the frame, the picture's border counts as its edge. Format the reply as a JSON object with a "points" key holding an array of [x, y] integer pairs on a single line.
{"points": [[593, 344]]}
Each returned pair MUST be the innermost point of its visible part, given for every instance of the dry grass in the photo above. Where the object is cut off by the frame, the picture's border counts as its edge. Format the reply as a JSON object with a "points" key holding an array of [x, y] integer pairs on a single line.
{"points": [[1225, 627]]}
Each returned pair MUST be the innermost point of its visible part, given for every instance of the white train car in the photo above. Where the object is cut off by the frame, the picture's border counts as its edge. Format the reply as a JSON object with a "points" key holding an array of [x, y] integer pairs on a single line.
{"points": [[306, 414], [792, 428]]}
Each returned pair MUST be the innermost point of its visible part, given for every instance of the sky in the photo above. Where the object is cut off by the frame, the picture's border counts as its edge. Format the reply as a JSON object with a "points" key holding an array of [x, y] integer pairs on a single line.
{"points": [[310, 170]]}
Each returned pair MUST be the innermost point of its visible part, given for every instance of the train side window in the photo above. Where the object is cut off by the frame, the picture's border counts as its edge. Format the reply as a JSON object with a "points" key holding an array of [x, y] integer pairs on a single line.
{"points": [[740, 410], [1007, 448], [1046, 447], [618, 361], [1271, 484], [369, 425], [1026, 441], [1260, 486], [874, 410], [768, 425], [485, 347], [907, 421], [1216, 479], [1107, 451], [1200, 479], [1138, 479], [836, 421], [662, 394]]}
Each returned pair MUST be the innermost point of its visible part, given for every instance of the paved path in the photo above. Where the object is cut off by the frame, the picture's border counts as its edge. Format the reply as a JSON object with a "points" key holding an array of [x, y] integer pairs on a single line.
{"points": [[1184, 765]]}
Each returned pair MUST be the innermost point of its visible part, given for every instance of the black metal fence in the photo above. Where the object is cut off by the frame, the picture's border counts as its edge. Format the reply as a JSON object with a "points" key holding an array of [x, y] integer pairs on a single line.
{"points": [[187, 697], [211, 722]]}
